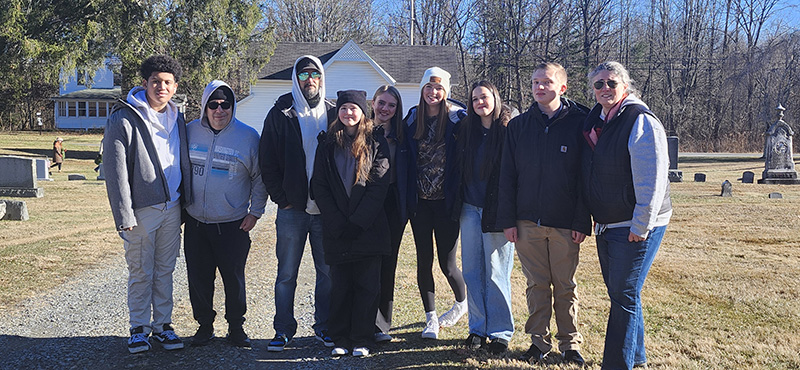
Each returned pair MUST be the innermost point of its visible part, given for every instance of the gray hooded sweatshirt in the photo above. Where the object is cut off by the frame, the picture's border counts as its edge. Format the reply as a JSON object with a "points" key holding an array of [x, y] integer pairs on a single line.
{"points": [[226, 177]]}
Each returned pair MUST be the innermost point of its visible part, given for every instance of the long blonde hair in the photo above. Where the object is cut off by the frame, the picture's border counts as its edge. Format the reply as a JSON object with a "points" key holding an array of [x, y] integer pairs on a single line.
{"points": [[359, 145]]}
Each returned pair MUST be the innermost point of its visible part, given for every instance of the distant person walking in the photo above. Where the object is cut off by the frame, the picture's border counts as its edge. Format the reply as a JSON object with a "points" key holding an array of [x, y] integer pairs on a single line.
{"points": [[58, 153], [626, 188]]}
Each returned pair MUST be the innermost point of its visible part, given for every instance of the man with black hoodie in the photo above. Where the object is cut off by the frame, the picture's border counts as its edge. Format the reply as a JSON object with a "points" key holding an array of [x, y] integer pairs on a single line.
{"points": [[540, 209], [286, 156]]}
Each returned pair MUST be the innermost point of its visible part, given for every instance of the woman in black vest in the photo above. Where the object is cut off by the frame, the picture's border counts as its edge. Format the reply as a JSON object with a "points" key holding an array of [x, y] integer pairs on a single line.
{"points": [[627, 191], [349, 185]]}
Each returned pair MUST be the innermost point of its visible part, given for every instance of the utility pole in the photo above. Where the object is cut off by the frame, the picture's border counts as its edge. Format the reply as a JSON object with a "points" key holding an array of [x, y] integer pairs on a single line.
{"points": [[411, 23]]}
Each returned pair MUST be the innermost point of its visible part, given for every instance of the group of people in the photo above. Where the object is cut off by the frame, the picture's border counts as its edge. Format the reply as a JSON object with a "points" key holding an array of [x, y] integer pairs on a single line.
{"points": [[349, 175]]}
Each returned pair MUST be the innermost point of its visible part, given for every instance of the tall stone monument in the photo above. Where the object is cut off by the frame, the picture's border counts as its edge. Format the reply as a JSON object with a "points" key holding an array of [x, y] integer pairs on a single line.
{"points": [[778, 161]]}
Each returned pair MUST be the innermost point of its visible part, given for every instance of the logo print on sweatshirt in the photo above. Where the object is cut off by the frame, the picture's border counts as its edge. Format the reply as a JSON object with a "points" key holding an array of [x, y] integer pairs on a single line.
{"points": [[563, 149], [224, 160]]}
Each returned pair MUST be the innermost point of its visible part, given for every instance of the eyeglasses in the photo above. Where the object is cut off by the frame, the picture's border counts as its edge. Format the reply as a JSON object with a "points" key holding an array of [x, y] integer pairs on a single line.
{"points": [[611, 84], [213, 105], [302, 76]]}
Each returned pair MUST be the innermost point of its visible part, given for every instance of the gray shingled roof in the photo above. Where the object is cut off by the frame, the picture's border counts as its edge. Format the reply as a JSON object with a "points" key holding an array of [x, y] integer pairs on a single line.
{"points": [[93, 94], [405, 63]]}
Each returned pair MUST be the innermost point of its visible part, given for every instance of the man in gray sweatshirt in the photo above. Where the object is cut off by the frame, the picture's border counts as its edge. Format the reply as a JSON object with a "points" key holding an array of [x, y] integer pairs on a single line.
{"points": [[229, 199], [146, 167]]}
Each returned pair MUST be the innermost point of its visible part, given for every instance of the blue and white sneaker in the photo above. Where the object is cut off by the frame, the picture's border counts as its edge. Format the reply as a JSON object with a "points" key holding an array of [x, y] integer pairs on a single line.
{"points": [[323, 337], [138, 341], [278, 343]]}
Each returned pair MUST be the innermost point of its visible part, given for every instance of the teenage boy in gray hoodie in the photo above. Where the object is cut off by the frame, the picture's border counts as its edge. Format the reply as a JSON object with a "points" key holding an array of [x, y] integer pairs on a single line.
{"points": [[229, 200], [146, 167]]}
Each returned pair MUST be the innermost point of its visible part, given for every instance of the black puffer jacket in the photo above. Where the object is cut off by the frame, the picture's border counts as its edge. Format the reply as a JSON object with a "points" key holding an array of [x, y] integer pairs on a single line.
{"points": [[363, 210], [540, 175], [281, 156]]}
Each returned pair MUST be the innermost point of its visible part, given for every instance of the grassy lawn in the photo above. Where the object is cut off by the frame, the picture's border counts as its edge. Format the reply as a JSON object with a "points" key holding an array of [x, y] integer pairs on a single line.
{"points": [[723, 292]]}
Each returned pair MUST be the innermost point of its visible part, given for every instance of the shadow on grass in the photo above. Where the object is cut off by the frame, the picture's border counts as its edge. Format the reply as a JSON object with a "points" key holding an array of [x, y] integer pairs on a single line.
{"points": [[71, 154]]}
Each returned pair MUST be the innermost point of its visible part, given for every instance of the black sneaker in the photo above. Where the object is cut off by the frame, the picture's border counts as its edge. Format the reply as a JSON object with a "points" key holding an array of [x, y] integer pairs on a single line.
{"points": [[138, 341], [323, 337], [204, 335], [238, 337], [278, 343], [168, 339], [498, 346], [574, 357], [533, 355], [475, 341]]}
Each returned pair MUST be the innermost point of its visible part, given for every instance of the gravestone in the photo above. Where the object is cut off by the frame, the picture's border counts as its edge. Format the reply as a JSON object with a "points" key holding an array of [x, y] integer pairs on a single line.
{"points": [[16, 210], [75, 176], [43, 169], [748, 177], [775, 196], [727, 189], [18, 177], [2, 209], [699, 177], [778, 162], [672, 148]]}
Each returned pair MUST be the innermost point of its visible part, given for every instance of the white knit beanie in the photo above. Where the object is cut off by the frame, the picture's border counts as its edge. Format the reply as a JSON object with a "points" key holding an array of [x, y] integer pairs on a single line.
{"points": [[436, 75]]}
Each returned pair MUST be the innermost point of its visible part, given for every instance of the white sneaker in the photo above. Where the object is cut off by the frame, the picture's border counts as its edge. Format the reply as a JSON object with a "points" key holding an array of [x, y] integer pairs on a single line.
{"points": [[339, 351], [360, 352], [451, 317], [431, 330]]}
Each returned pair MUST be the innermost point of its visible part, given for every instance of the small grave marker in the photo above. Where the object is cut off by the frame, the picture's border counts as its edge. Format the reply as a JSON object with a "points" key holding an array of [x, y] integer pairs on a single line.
{"points": [[748, 177], [727, 189], [775, 196], [699, 177]]}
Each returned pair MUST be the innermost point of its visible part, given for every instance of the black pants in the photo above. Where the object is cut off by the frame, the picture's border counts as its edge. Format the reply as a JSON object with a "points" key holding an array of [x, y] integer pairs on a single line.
{"points": [[433, 219], [397, 226], [354, 299], [209, 247]]}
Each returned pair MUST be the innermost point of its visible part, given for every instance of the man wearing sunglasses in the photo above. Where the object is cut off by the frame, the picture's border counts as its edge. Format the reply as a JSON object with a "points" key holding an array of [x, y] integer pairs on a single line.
{"points": [[286, 154], [229, 199]]}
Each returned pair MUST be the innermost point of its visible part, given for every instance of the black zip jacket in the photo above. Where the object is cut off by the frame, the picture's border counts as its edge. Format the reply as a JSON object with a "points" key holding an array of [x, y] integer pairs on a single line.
{"points": [[356, 226], [540, 174], [281, 156]]}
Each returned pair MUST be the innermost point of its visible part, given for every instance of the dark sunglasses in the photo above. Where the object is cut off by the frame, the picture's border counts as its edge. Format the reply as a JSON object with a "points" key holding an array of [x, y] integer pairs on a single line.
{"points": [[302, 76], [213, 105], [611, 84]]}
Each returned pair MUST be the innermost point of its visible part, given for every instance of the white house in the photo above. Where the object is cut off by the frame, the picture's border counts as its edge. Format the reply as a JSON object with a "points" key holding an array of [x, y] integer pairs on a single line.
{"points": [[348, 66], [80, 107]]}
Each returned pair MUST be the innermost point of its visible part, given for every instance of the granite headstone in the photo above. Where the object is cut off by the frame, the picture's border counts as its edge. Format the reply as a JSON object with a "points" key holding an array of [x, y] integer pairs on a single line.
{"points": [[19, 177]]}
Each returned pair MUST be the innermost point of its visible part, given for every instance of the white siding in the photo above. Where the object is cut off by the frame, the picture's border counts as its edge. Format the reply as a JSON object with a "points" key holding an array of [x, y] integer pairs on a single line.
{"points": [[103, 79], [253, 109], [345, 75]]}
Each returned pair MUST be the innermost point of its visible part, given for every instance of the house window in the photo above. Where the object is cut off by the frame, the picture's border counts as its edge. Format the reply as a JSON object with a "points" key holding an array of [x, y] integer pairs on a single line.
{"points": [[81, 109], [71, 109], [92, 109], [62, 109], [103, 111]]}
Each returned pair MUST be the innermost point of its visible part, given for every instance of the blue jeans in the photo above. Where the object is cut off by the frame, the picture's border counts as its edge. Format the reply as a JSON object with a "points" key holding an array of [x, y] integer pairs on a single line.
{"points": [[625, 266], [487, 260], [292, 226]]}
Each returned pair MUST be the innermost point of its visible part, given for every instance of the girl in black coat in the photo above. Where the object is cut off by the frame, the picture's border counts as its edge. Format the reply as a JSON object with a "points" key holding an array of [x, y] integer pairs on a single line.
{"points": [[349, 185]]}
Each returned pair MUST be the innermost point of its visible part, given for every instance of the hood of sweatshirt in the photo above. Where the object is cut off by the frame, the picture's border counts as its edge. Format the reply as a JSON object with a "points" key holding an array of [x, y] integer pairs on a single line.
{"points": [[137, 97], [210, 88]]}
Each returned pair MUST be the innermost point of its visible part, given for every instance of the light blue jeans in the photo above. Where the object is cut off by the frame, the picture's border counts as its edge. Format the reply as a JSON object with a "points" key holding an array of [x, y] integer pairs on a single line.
{"points": [[292, 227], [625, 266], [487, 260]]}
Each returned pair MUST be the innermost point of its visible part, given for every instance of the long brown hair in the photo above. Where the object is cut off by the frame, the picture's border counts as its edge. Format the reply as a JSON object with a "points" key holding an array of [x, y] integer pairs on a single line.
{"points": [[441, 117], [397, 120], [470, 134], [359, 144]]}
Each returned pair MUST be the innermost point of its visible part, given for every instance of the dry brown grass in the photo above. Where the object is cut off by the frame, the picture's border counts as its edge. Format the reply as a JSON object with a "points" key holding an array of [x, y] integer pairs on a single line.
{"points": [[722, 294]]}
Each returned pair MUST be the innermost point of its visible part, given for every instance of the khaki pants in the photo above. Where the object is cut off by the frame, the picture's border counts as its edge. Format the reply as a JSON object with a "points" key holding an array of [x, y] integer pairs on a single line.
{"points": [[549, 258], [151, 249]]}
